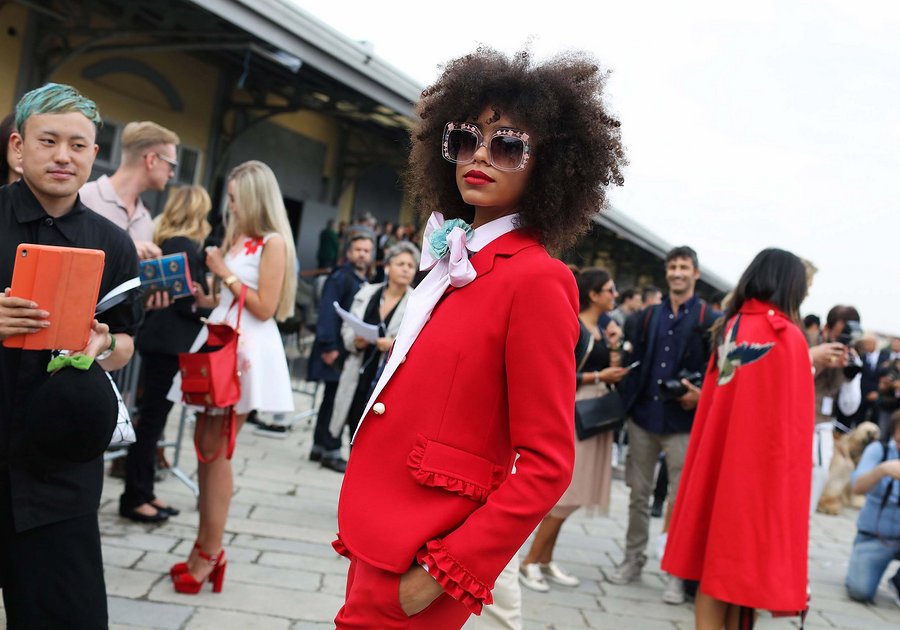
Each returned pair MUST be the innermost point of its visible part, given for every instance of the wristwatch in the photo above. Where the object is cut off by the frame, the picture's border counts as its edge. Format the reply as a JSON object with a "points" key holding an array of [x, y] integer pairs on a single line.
{"points": [[230, 280], [108, 352]]}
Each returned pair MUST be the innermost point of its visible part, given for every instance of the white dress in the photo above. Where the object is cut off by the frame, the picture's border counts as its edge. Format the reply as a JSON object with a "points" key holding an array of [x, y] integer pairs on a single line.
{"points": [[265, 380]]}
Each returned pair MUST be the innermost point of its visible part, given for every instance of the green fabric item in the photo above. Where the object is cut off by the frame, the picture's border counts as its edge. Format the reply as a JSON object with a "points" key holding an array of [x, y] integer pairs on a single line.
{"points": [[328, 245], [78, 361]]}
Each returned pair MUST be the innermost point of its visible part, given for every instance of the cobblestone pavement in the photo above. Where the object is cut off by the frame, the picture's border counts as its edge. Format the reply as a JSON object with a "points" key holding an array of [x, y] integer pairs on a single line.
{"points": [[283, 575]]}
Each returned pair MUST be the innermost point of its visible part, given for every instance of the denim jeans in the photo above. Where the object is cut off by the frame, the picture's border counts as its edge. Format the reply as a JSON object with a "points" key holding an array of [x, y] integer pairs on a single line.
{"points": [[868, 560]]}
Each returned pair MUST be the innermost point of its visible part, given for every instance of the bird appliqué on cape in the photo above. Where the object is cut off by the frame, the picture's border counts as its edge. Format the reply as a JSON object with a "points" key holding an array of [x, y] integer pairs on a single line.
{"points": [[733, 355]]}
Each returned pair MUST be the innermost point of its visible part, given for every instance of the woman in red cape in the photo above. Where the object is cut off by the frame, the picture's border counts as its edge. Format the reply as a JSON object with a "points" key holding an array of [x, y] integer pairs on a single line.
{"points": [[741, 520]]}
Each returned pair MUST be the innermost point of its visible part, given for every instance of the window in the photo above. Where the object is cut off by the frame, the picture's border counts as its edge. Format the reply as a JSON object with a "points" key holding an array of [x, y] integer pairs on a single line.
{"points": [[109, 153], [188, 165]]}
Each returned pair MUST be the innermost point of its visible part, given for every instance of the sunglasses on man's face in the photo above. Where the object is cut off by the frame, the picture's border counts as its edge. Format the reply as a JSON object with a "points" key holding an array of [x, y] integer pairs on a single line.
{"points": [[508, 149]]}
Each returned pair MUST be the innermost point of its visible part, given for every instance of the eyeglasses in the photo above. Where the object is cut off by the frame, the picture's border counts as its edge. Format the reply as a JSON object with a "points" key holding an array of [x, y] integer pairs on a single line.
{"points": [[508, 149], [173, 164], [611, 289]]}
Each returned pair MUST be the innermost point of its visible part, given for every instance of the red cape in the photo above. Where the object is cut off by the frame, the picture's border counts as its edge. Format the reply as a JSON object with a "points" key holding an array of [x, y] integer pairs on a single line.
{"points": [[741, 520]]}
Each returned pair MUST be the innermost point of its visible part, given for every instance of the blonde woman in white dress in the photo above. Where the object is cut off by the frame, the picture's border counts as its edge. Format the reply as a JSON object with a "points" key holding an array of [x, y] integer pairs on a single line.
{"points": [[257, 254]]}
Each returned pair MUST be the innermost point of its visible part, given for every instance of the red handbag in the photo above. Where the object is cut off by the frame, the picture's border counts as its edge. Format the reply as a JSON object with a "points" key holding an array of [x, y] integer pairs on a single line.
{"points": [[210, 376]]}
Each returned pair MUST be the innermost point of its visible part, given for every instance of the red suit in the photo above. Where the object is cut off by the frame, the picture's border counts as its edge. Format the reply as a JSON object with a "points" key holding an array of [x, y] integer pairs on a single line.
{"points": [[741, 519], [490, 376]]}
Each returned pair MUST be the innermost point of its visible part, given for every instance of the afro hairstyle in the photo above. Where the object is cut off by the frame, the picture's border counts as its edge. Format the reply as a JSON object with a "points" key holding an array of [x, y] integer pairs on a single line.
{"points": [[576, 142]]}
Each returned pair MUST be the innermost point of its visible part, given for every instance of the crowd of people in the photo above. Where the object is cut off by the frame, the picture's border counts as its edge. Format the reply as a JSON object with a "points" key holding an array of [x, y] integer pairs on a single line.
{"points": [[462, 433]]}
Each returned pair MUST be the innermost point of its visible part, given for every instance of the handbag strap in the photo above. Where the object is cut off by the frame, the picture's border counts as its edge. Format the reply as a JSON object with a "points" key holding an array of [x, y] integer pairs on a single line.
{"points": [[240, 303], [590, 347]]}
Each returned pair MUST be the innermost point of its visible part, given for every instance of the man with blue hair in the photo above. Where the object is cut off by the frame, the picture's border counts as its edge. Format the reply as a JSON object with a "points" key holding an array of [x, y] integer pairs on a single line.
{"points": [[51, 464]]}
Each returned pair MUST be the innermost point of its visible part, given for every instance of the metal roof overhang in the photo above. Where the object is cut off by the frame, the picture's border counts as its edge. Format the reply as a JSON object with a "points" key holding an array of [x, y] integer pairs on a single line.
{"points": [[629, 229], [297, 33]]}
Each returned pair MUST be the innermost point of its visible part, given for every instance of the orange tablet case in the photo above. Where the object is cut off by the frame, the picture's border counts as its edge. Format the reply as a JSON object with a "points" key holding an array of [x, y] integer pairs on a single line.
{"points": [[65, 281]]}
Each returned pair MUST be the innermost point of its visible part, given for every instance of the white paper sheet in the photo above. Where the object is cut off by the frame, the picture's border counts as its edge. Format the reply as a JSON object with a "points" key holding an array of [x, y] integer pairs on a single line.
{"points": [[369, 332]]}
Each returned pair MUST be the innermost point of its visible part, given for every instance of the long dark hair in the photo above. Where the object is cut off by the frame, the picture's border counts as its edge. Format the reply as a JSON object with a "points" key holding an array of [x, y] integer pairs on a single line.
{"points": [[775, 276]]}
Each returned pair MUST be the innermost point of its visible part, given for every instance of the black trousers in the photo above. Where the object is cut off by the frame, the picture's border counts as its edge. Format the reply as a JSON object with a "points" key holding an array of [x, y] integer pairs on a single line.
{"points": [[51, 576], [158, 371], [323, 441]]}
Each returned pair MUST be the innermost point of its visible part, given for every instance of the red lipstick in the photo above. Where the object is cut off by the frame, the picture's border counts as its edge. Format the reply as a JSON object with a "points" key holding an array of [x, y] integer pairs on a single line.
{"points": [[477, 178]]}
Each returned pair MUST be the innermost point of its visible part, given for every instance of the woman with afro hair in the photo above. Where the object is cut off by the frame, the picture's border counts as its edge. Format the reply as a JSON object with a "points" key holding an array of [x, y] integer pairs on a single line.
{"points": [[467, 439]]}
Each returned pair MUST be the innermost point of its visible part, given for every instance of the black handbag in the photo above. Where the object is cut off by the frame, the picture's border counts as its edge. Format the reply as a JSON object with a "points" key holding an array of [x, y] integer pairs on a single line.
{"points": [[593, 416], [597, 415]]}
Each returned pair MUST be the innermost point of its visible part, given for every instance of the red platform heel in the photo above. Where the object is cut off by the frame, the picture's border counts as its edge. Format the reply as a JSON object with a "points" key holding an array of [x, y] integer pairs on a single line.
{"points": [[181, 567], [186, 583]]}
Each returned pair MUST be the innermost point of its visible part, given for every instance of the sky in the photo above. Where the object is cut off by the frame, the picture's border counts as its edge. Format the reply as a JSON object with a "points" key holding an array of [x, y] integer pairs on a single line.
{"points": [[746, 125]]}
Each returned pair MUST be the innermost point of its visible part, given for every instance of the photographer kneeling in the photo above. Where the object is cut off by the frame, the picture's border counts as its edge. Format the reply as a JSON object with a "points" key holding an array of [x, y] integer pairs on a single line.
{"points": [[878, 528]]}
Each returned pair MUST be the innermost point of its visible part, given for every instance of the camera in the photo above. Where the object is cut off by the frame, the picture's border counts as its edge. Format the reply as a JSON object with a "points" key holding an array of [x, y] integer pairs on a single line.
{"points": [[674, 388], [850, 336], [851, 333]]}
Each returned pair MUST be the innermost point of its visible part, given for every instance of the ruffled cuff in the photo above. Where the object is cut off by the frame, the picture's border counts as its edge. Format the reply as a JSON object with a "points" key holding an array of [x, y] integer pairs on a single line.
{"points": [[339, 546], [453, 576]]}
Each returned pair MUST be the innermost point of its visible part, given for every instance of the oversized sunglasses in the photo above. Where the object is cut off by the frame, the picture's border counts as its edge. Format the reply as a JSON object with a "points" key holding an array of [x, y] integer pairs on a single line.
{"points": [[508, 148]]}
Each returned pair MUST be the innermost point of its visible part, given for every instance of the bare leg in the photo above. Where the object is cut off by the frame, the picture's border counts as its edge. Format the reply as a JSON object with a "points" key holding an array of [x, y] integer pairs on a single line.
{"points": [[733, 618], [544, 541], [216, 488], [709, 613]]}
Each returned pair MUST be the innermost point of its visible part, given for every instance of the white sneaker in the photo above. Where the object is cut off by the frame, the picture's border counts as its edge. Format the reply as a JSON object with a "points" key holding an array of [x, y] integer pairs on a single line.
{"points": [[674, 593], [530, 576], [556, 575], [661, 544]]}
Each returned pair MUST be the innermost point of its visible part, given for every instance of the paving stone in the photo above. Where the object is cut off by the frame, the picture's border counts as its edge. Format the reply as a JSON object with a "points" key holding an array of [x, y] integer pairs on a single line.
{"points": [[211, 619], [129, 583], [336, 565], [130, 613], [252, 598], [271, 576], [536, 610], [141, 541], [120, 556]]}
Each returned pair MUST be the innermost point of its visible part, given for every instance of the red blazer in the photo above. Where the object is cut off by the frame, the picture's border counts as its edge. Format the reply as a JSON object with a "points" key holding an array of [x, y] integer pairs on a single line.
{"points": [[490, 376]]}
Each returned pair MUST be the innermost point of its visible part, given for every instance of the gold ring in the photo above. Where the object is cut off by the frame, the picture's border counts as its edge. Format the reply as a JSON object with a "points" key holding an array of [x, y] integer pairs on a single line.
{"points": [[832, 358]]}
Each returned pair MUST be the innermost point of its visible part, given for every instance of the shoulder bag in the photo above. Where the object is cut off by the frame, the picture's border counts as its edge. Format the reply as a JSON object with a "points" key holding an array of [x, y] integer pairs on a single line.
{"points": [[597, 415], [210, 378]]}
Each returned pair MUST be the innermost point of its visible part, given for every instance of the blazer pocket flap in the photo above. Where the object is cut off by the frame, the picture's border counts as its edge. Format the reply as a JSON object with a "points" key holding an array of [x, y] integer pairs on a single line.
{"points": [[443, 466]]}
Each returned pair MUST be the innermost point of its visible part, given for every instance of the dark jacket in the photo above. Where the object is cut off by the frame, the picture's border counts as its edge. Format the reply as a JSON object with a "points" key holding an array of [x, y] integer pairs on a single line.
{"points": [[47, 489], [173, 329], [692, 354], [340, 287]]}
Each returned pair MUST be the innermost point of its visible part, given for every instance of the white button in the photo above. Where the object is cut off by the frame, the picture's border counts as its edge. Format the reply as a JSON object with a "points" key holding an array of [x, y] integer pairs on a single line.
{"points": [[771, 312], [670, 332], [671, 316], [667, 348], [378, 408], [659, 381], [656, 398], [663, 364]]}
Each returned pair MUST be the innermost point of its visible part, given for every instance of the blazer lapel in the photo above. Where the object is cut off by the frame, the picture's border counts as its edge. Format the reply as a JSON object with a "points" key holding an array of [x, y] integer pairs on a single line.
{"points": [[506, 245]]}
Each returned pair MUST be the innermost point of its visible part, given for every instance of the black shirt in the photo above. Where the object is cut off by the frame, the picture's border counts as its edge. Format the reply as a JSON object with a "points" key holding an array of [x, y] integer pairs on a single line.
{"points": [[50, 491]]}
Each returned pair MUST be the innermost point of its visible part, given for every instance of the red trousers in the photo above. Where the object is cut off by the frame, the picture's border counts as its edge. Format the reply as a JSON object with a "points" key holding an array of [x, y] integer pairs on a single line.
{"points": [[372, 602]]}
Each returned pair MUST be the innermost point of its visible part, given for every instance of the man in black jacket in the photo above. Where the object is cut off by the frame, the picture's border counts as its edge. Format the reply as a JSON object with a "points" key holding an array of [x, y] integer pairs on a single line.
{"points": [[671, 340], [51, 569], [325, 359]]}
